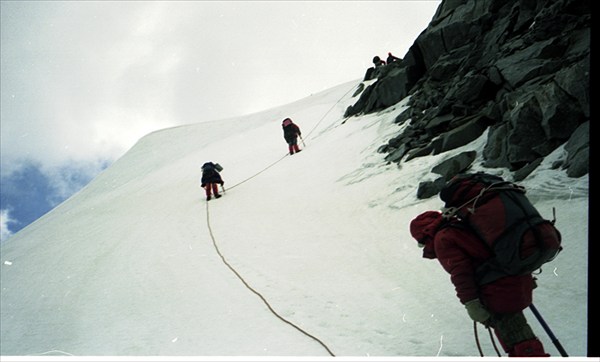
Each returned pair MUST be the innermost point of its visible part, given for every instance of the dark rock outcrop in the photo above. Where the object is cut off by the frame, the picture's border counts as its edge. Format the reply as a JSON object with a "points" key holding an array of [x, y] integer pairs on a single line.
{"points": [[518, 69]]}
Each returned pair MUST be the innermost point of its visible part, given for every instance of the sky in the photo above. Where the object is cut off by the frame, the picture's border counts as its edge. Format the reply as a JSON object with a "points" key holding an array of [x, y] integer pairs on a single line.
{"points": [[82, 81], [304, 257]]}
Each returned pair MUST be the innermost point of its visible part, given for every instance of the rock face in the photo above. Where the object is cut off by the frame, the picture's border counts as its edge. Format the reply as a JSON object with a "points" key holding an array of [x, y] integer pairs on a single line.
{"points": [[519, 69]]}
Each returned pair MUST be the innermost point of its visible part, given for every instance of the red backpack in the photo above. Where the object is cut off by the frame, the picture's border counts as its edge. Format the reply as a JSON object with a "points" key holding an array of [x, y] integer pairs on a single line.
{"points": [[498, 211]]}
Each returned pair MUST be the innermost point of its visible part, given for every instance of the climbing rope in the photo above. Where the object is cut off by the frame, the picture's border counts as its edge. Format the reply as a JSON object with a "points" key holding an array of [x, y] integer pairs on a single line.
{"points": [[493, 342], [287, 154], [477, 338], [491, 338], [259, 172], [214, 241], [330, 109], [254, 290]]}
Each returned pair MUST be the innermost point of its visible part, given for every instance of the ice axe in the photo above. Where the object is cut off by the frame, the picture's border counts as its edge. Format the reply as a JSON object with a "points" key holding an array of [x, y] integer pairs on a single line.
{"points": [[547, 329]]}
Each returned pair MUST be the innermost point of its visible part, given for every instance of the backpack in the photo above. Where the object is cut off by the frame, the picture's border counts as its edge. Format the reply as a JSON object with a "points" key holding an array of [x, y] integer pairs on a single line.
{"points": [[500, 214], [209, 166]]}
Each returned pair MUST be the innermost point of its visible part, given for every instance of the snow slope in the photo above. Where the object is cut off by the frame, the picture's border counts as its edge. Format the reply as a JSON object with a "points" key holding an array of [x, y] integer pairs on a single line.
{"points": [[136, 264]]}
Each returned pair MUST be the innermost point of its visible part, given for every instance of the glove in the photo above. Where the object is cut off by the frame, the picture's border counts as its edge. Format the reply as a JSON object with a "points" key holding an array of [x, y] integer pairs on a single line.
{"points": [[477, 311]]}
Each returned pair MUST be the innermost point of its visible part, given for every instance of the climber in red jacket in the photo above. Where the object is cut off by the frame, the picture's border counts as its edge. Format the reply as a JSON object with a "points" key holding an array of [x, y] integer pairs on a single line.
{"points": [[498, 304], [291, 132]]}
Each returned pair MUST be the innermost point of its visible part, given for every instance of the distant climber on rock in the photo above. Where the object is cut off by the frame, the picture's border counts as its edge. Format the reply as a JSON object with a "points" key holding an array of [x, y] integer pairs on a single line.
{"points": [[378, 62], [371, 72], [291, 132], [391, 58], [211, 178]]}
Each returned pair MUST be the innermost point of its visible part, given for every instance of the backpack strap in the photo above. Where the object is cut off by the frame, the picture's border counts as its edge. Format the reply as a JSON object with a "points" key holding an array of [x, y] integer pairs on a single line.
{"points": [[490, 190]]}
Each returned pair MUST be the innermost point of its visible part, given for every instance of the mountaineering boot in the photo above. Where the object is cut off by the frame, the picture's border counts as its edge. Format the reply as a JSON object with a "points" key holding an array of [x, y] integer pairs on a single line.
{"points": [[218, 195], [208, 198], [528, 348], [296, 148]]}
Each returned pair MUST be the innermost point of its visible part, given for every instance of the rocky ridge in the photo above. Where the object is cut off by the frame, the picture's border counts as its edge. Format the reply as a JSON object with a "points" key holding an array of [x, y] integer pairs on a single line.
{"points": [[519, 69]]}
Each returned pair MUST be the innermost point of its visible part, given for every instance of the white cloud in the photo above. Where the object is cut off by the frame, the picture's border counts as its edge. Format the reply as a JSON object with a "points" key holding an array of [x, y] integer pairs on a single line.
{"points": [[4, 220], [67, 180]]}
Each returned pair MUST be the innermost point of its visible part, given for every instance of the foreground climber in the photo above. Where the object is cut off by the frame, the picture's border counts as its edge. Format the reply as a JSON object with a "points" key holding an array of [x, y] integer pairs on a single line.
{"points": [[498, 304]]}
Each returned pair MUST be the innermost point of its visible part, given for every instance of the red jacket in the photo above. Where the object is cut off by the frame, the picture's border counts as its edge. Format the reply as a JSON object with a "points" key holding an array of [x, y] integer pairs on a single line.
{"points": [[460, 252]]}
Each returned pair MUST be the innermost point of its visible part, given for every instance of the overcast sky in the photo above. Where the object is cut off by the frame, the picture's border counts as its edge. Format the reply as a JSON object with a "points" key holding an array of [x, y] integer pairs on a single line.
{"points": [[82, 81]]}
